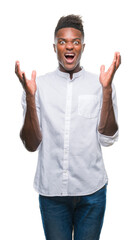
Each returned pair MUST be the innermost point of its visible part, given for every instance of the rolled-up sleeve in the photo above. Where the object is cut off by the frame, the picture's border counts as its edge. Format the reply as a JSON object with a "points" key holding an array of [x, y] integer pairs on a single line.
{"points": [[107, 141], [104, 140]]}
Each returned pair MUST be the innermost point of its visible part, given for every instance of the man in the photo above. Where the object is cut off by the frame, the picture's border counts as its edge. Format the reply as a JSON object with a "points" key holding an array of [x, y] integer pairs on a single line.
{"points": [[69, 114]]}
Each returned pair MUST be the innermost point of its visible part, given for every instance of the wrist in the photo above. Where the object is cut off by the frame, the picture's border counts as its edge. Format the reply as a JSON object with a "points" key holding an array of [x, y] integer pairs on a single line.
{"points": [[107, 88], [30, 98], [107, 93]]}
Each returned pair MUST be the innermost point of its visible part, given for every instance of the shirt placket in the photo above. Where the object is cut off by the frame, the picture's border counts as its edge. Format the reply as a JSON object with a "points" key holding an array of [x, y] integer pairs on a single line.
{"points": [[66, 138]]}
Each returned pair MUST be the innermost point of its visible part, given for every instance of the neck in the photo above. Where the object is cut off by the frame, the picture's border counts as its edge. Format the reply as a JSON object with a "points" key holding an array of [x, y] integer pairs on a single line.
{"points": [[71, 72]]}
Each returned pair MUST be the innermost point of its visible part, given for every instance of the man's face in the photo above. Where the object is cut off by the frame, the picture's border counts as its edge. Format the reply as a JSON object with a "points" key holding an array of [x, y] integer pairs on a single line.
{"points": [[69, 47]]}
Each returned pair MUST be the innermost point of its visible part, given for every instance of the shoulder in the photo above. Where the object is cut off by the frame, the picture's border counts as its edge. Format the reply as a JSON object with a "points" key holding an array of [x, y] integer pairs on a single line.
{"points": [[92, 78], [43, 79]]}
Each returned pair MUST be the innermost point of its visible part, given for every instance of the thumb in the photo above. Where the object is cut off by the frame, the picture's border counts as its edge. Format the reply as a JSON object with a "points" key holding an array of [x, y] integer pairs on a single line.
{"points": [[33, 75], [102, 68]]}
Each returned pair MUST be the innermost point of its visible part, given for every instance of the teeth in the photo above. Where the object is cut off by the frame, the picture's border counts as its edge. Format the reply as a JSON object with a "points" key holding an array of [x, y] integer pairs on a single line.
{"points": [[69, 54]]}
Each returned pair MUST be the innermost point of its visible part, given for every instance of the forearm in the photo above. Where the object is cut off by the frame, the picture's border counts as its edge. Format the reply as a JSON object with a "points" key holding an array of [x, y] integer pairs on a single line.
{"points": [[30, 132], [108, 125]]}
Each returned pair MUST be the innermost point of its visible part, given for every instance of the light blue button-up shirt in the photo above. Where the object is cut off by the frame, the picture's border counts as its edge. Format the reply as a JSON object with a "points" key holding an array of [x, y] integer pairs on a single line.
{"points": [[70, 161]]}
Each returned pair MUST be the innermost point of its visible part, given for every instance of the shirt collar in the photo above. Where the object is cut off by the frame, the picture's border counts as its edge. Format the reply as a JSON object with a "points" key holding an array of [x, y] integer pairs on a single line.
{"points": [[67, 75]]}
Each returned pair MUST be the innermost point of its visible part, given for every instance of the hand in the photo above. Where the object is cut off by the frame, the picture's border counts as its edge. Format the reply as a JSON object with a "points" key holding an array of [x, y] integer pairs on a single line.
{"points": [[107, 77], [28, 85]]}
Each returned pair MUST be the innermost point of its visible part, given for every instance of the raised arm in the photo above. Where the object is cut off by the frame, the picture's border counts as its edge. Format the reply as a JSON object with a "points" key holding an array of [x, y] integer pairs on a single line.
{"points": [[30, 133], [108, 125]]}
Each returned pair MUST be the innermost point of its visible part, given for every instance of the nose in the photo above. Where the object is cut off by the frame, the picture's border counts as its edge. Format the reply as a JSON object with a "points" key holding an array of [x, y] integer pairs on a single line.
{"points": [[69, 46]]}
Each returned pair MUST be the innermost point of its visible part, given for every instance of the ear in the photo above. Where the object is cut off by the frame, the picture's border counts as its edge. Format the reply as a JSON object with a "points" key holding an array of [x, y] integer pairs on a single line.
{"points": [[83, 47], [54, 46]]}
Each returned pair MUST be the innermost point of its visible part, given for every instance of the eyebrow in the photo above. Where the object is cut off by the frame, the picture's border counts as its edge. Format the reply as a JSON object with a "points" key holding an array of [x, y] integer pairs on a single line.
{"points": [[65, 38]]}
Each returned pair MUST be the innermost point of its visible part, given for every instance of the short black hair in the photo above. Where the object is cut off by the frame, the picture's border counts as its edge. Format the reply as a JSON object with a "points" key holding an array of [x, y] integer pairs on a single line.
{"points": [[73, 21]]}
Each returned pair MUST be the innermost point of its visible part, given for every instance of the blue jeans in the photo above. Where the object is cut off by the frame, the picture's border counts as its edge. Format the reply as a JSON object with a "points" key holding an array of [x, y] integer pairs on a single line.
{"points": [[83, 213]]}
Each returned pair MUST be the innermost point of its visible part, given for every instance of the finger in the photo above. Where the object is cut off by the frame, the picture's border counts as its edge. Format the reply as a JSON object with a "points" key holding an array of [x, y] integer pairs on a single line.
{"points": [[112, 68], [118, 61], [16, 66], [102, 68], [24, 79], [115, 58], [18, 70], [16, 63], [24, 76], [33, 75]]}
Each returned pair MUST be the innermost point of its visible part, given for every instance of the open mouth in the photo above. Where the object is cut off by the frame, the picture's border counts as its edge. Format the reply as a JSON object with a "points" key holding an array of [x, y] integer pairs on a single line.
{"points": [[69, 57]]}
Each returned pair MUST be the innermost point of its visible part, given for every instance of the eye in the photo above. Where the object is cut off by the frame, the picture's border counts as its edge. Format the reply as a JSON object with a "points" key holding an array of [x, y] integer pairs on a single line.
{"points": [[62, 42], [76, 42]]}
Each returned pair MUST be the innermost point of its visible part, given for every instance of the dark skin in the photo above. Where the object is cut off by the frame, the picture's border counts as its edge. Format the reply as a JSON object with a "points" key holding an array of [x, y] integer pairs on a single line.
{"points": [[69, 46], [30, 133], [108, 125], [69, 41]]}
